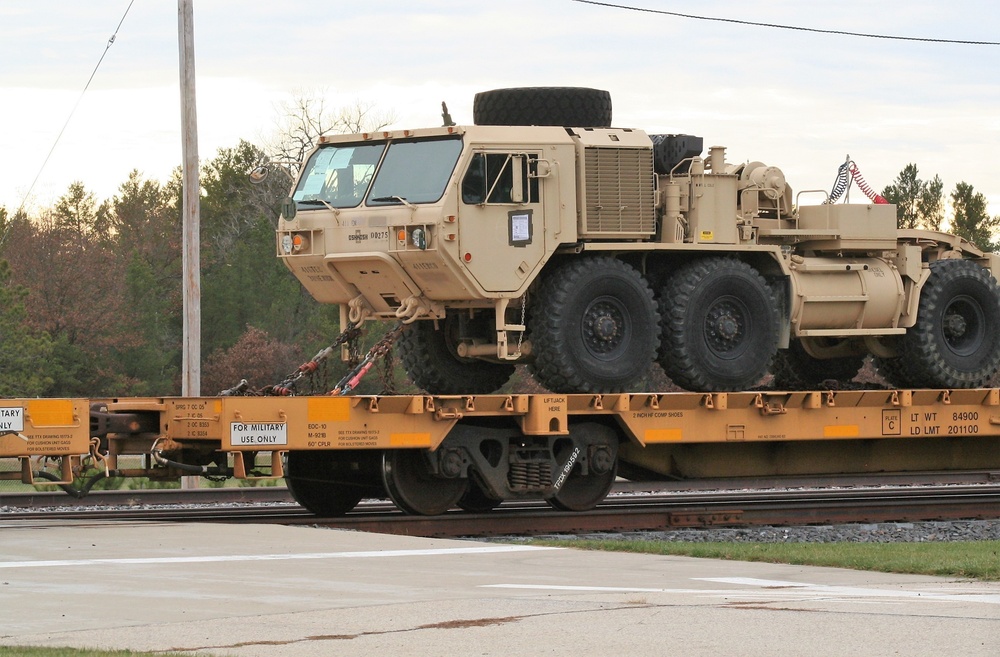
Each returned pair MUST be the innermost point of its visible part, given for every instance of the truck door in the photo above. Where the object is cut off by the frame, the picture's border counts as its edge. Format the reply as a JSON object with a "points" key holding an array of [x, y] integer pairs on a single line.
{"points": [[501, 230]]}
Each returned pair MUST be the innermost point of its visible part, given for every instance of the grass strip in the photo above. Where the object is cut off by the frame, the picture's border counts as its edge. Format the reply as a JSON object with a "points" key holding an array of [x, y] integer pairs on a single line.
{"points": [[963, 559]]}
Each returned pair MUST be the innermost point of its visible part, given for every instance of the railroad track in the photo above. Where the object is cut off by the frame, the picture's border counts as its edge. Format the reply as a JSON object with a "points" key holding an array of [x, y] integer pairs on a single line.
{"points": [[626, 510]]}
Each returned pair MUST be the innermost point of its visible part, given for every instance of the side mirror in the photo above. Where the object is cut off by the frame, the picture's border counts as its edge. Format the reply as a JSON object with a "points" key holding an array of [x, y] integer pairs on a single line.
{"points": [[259, 174]]}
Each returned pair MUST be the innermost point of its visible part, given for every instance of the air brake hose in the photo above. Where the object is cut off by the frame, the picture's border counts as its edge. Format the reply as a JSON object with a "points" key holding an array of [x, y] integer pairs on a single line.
{"points": [[81, 492], [865, 187], [840, 183], [849, 172], [203, 470]]}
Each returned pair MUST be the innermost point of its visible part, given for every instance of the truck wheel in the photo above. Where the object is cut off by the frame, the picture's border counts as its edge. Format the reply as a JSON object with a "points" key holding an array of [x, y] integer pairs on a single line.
{"points": [[891, 369], [720, 325], [594, 326], [794, 368], [955, 342], [430, 360], [577, 107]]}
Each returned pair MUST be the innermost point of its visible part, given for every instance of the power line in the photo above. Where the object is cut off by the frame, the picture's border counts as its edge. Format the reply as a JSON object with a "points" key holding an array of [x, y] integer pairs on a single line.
{"points": [[73, 111], [788, 27]]}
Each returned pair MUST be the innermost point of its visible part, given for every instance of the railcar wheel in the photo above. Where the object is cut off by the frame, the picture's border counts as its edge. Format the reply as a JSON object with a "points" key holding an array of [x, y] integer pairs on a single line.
{"points": [[795, 368], [430, 359], [476, 499], [595, 451], [413, 488], [955, 342], [316, 481], [594, 327], [720, 325]]}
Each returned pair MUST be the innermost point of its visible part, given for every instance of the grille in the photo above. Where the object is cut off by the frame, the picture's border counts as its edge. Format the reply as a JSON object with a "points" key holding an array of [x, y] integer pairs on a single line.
{"points": [[619, 193]]}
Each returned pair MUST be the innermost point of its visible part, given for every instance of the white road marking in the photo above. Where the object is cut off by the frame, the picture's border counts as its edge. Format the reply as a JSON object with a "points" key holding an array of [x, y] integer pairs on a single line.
{"points": [[765, 588], [612, 589], [776, 586], [601, 589], [493, 549]]}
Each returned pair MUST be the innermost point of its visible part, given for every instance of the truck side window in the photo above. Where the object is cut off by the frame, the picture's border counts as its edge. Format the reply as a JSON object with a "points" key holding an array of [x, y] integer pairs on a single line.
{"points": [[489, 179]]}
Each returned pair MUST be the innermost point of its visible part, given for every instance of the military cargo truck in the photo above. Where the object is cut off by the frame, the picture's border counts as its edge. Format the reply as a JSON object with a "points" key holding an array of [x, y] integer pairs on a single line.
{"points": [[542, 235]]}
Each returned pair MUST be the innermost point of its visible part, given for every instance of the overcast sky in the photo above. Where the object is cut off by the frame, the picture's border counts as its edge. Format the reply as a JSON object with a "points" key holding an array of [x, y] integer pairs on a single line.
{"points": [[797, 100]]}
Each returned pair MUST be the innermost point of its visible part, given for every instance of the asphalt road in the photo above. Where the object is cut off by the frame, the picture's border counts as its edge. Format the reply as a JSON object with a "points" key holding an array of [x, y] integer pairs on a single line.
{"points": [[273, 591]]}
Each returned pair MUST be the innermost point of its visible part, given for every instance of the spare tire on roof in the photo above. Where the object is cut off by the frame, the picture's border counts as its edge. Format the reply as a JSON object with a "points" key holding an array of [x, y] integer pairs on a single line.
{"points": [[578, 107]]}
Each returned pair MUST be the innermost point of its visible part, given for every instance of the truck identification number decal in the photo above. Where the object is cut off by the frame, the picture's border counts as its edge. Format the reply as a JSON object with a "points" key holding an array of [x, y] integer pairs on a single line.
{"points": [[262, 433]]}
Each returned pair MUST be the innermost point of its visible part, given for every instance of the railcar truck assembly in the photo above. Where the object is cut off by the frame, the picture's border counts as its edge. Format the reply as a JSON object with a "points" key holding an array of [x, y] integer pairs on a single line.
{"points": [[541, 235]]}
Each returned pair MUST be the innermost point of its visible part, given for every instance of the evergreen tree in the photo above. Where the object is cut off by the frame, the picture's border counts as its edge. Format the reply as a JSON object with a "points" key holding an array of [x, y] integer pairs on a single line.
{"points": [[25, 354], [75, 284], [244, 285], [147, 229], [78, 212], [919, 203], [971, 220]]}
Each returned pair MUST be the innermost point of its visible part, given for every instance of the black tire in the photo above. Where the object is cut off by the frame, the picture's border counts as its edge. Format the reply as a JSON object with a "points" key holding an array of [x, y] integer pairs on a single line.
{"points": [[430, 360], [891, 369], [671, 150], [795, 368], [577, 107], [720, 326], [316, 481], [955, 342], [594, 326]]}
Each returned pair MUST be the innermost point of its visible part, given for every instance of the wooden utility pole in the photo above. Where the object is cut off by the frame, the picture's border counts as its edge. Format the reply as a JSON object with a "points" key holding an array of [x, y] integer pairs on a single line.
{"points": [[191, 225]]}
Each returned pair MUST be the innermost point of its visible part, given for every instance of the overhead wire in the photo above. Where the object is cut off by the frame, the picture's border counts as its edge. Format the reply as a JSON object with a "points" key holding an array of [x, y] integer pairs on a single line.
{"points": [[787, 27], [69, 118]]}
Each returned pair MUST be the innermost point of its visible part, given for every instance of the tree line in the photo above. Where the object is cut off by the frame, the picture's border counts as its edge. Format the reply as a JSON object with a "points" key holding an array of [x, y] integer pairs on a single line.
{"points": [[90, 290], [921, 204]]}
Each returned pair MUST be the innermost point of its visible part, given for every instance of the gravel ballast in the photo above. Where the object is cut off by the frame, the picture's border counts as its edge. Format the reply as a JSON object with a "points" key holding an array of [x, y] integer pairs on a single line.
{"points": [[902, 532]]}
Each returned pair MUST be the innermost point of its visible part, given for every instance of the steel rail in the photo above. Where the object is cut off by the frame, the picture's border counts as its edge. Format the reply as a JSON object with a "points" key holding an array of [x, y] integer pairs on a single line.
{"points": [[260, 494], [627, 512]]}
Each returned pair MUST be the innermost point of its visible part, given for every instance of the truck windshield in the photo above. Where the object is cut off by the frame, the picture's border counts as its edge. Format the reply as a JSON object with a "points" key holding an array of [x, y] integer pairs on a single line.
{"points": [[338, 175], [415, 171]]}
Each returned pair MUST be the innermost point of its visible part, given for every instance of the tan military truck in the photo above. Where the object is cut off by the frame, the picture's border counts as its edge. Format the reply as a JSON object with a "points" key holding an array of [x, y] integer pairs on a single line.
{"points": [[542, 235]]}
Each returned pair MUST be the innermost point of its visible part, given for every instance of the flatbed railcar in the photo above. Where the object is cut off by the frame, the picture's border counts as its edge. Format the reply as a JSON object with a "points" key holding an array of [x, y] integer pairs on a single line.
{"points": [[430, 453]]}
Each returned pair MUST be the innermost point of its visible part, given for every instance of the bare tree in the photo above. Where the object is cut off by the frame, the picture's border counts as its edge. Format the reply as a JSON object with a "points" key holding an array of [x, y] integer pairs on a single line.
{"points": [[306, 117]]}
